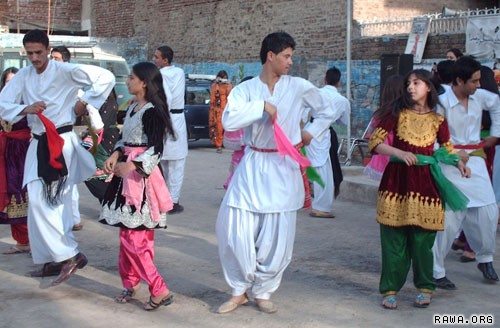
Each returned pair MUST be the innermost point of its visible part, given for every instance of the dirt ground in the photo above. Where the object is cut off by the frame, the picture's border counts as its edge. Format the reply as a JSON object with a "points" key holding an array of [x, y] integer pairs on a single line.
{"points": [[331, 282]]}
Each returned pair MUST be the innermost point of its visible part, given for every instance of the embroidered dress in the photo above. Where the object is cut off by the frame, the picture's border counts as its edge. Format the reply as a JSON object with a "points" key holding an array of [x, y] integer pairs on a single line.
{"points": [[417, 202], [14, 143], [141, 199]]}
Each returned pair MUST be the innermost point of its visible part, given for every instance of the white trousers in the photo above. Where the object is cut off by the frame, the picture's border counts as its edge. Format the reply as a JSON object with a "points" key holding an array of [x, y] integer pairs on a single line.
{"points": [[254, 249], [75, 204], [173, 171], [49, 227], [479, 225], [323, 197]]}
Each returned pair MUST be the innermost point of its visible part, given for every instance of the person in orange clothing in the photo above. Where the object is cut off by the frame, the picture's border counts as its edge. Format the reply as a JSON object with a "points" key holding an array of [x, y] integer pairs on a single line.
{"points": [[218, 98], [14, 142]]}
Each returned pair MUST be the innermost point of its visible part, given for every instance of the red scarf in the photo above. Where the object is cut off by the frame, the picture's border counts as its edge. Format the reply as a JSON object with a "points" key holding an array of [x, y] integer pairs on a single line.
{"points": [[54, 140]]}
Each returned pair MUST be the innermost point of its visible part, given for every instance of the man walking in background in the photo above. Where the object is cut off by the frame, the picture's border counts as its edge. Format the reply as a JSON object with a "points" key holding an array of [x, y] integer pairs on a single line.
{"points": [[175, 150]]}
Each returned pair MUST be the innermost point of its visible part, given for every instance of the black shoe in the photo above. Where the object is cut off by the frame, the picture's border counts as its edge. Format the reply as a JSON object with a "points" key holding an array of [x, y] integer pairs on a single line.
{"points": [[445, 283], [488, 271], [79, 261], [177, 209]]}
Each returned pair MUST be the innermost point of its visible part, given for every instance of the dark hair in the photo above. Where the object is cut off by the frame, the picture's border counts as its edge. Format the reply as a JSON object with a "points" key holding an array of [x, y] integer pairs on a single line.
{"points": [[66, 55], [405, 101], [464, 67], [222, 74], [275, 42], [393, 89], [36, 36], [6, 72], [487, 80], [151, 76], [332, 76], [445, 71], [456, 52], [166, 53], [489, 83]]}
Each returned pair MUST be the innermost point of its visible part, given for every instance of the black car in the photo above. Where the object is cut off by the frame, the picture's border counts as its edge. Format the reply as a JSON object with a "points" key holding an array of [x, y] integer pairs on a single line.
{"points": [[197, 103]]}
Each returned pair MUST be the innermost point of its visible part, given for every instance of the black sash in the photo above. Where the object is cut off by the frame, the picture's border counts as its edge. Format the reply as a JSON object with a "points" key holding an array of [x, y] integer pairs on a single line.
{"points": [[53, 179]]}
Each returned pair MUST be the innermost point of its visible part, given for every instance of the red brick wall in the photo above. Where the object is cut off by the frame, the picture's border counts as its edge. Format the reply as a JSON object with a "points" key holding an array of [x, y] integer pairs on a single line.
{"points": [[435, 47], [65, 14], [231, 31]]}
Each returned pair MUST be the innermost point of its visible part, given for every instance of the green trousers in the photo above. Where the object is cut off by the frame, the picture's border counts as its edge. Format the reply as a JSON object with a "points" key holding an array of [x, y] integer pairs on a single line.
{"points": [[401, 247]]}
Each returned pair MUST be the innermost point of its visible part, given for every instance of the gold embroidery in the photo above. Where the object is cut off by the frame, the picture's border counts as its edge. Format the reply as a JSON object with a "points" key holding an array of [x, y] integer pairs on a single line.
{"points": [[449, 147], [418, 129], [15, 210], [378, 137], [414, 209]]}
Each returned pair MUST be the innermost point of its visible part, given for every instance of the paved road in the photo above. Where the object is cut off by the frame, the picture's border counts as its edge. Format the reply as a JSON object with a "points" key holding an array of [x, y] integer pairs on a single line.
{"points": [[331, 282]]}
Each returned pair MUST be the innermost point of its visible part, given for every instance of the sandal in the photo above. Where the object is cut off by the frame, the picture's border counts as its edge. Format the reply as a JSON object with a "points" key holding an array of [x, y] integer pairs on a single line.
{"points": [[321, 214], [389, 302], [17, 249], [423, 300], [126, 295], [152, 305]]}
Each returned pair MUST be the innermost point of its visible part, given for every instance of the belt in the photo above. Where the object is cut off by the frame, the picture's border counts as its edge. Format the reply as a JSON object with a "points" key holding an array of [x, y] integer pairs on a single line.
{"points": [[263, 150], [176, 111], [60, 130], [477, 146], [271, 150]]}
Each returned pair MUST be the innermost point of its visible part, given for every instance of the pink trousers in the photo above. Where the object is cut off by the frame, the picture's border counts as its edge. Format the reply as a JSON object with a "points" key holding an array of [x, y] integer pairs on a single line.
{"points": [[135, 261]]}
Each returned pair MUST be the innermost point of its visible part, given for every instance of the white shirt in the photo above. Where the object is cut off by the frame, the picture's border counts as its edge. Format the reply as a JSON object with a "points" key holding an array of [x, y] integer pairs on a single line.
{"points": [[174, 83], [465, 127], [318, 151], [58, 87], [265, 182]]}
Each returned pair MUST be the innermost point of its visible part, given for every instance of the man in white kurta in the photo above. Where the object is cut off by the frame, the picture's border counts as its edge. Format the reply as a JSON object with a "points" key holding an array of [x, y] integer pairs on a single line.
{"points": [[256, 221], [318, 151], [175, 148], [462, 105], [52, 87]]}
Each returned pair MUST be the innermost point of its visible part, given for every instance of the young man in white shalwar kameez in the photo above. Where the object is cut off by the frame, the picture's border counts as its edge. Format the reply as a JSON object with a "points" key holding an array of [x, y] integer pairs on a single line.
{"points": [[462, 105], [318, 151], [175, 149], [51, 88], [256, 221]]}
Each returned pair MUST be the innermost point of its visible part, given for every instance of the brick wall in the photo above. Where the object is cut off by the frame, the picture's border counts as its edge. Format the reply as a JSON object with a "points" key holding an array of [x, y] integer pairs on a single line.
{"points": [[231, 30], [214, 30], [435, 47], [65, 14]]}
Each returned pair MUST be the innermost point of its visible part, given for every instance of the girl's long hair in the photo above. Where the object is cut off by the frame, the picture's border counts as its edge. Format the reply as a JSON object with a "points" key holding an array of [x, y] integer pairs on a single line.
{"points": [[151, 76], [404, 101]]}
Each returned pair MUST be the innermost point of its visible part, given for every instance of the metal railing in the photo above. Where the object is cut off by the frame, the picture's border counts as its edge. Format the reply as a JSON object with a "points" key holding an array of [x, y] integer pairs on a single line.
{"points": [[454, 23]]}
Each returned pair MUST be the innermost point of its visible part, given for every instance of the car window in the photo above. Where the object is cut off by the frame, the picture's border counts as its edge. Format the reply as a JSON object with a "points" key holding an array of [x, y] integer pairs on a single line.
{"points": [[197, 95]]}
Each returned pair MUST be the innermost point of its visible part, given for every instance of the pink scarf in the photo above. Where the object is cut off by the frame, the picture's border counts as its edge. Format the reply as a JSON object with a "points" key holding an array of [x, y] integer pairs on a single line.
{"points": [[285, 147], [157, 194]]}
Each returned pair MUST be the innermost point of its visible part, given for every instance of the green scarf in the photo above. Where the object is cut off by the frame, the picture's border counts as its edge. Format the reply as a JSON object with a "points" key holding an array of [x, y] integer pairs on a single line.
{"points": [[451, 195], [311, 172]]}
